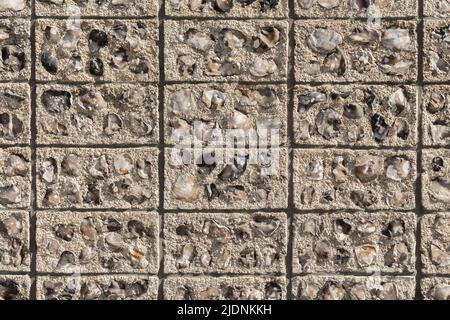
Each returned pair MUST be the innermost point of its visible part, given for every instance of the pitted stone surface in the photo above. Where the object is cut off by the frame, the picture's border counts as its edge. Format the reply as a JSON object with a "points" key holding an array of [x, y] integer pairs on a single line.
{"points": [[14, 241], [14, 287], [435, 288], [319, 287], [435, 243], [436, 64], [356, 179], [225, 288], [108, 242], [436, 8], [436, 179], [225, 243], [105, 287], [360, 242]]}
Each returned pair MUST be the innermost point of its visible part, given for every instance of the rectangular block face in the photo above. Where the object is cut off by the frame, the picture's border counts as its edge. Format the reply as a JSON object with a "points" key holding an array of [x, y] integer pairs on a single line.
{"points": [[357, 242], [225, 243], [436, 8], [225, 288], [20, 8], [314, 287], [97, 50], [14, 287], [222, 109], [226, 50], [15, 46], [435, 243], [108, 242], [435, 288], [105, 287], [230, 179], [230, 9], [352, 179], [14, 241], [436, 67], [15, 113], [435, 115], [97, 178], [97, 114], [15, 179], [435, 179], [356, 115], [345, 50], [96, 8], [345, 8]]}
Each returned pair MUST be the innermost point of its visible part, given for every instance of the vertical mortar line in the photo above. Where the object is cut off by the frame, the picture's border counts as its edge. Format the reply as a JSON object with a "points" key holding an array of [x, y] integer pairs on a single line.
{"points": [[32, 84], [161, 16], [290, 133], [419, 209]]}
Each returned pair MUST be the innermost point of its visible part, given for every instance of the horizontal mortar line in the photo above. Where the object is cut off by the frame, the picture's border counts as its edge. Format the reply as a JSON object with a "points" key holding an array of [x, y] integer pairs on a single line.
{"points": [[25, 81], [346, 18], [354, 274], [98, 210], [331, 211], [94, 82], [362, 83], [18, 145], [15, 273], [225, 274], [264, 210], [432, 83], [297, 146], [97, 17], [226, 81], [97, 146], [436, 275], [222, 18], [129, 273]]}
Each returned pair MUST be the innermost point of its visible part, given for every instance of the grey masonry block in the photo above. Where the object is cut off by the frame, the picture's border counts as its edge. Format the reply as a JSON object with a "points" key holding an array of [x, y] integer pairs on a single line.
{"points": [[18, 8], [435, 243], [225, 243], [14, 241], [436, 66], [16, 49], [436, 8], [435, 288], [435, 114], [14, 287], [435, 179]]}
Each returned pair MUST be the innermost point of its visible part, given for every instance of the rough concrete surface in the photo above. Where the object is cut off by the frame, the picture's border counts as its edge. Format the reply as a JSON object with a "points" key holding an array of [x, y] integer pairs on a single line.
{"points": [[224, 149]]}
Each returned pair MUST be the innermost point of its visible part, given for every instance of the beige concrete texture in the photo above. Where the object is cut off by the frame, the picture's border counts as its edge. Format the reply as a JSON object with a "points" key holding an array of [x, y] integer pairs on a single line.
{"points": [[97, 178], [354, 179], [355, 50], [238, 243], [227, 8], [435, 179], [97, 114], [436, 64], [435, 243], [108, 242], [18, 8], [226, 178], [356, 115], [436, 8], [14, 241], [14, 287], [435, 115], [435, 288], [225, 288], [102, 287], [208, 112], [109, 8], [16, 49], [15, 177], [354, 242], [76, 50], [335, 287], [225, 50], [15, 113]]}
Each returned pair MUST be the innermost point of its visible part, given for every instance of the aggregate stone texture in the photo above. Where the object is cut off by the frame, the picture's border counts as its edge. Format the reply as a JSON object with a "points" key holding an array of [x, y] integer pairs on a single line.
{"points": [[225, 243], [97, 178], [436, 179], [225, 149], [435, 243], [356, 179], [436, 115], [354, 242], [15, 177], [356, 115], [355, 8], [110, 8], [14, 287], [228, 179], [227, 8], [14, 241], [436, 64], [102, 287], [111, 242], [15, 113], [352, 50], [435, 288], [97, 114], [225, 288], [206, 112], [325, 287], [226, 50], [16, 49], [97, 50]]}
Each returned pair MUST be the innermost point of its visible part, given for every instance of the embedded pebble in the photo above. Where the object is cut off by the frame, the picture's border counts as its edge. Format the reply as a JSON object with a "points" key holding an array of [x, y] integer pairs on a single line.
{"points": [[14, 242]]}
